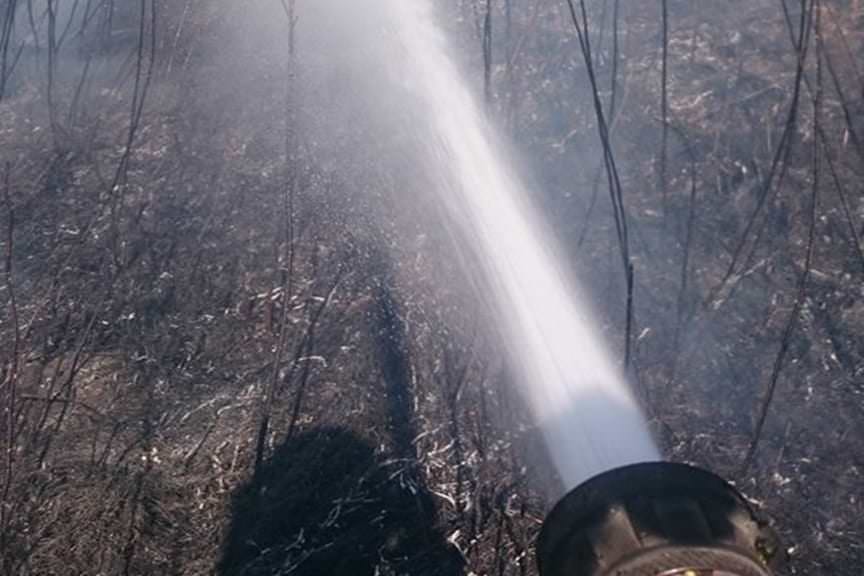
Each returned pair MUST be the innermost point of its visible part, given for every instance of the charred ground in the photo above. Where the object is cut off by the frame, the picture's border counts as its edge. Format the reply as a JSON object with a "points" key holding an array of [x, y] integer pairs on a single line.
{"points": [[227, 350]]}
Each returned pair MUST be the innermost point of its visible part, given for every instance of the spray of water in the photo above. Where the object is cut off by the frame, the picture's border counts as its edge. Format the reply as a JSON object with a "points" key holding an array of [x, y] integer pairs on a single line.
{"points": [[385, 65], [589, 417]]}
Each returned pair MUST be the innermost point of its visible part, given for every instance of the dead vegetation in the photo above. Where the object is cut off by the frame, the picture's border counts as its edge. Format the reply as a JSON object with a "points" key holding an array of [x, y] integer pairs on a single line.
{"points": [[219, 356]]}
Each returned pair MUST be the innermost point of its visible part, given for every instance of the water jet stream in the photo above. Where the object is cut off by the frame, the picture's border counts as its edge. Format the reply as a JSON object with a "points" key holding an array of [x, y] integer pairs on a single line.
{"points": [[590, 419]]}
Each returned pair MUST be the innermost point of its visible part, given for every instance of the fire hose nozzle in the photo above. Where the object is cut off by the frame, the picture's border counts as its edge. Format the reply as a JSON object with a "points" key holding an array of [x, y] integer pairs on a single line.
{"points": [[655, 519]]}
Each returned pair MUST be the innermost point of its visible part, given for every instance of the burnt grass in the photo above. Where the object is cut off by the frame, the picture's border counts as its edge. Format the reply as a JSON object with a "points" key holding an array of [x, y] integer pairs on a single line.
{"points": [[225, 349]]}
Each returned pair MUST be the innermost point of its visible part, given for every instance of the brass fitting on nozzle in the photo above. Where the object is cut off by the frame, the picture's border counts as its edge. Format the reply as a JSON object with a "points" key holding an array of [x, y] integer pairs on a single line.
{"points": [[655, 519]]}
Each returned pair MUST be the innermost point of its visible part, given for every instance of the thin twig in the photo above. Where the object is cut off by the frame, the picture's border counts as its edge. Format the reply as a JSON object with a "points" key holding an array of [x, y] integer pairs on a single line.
{"points": [[801, 295], [580, 23], [288, 273], [310, 343], [779, 164], [11, 380]]}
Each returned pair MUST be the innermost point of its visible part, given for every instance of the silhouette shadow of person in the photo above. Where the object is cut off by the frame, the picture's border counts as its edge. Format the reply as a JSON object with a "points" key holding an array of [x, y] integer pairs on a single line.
{"points": [[325, 504]]}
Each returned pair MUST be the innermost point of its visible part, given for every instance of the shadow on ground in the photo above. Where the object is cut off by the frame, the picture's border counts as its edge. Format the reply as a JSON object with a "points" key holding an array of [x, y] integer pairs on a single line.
{"points": [[326, 505]]}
